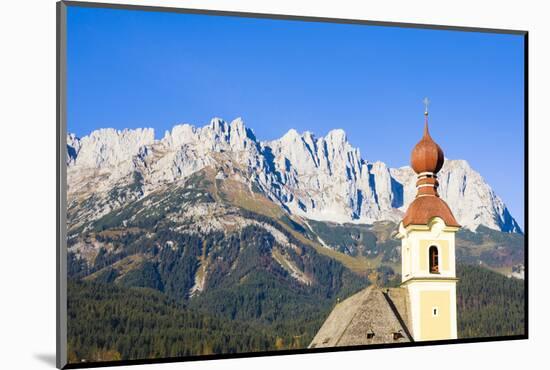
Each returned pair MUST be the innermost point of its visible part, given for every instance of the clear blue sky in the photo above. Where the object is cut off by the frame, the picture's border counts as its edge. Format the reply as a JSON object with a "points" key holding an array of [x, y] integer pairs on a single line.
{"points": [[130, 69]]}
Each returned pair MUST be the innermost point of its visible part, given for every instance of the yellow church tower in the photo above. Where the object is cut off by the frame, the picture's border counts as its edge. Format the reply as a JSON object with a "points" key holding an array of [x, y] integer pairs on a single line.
{"points": [[427, 234]]}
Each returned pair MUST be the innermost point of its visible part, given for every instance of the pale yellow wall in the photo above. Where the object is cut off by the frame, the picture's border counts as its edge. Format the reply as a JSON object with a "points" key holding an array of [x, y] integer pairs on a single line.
{"points": [[435, 327], [427, 290], [443, 249]]}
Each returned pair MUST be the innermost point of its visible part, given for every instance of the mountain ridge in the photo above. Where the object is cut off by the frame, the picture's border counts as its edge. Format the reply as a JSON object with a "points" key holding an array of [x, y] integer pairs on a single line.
{"points": [[318, 178]]}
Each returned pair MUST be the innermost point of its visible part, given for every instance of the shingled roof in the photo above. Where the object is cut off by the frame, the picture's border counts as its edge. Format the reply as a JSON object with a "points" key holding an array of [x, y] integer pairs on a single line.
{"points": [[371, 316]]}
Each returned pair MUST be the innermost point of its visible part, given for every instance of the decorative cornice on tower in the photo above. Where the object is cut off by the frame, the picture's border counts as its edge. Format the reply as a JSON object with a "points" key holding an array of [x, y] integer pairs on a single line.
{"points": [[427, 159]]}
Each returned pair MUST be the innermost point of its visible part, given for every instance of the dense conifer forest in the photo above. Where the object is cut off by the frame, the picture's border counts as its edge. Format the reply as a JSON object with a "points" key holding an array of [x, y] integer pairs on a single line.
{"points": [[110, 322], [488, 303], [107, 322]]}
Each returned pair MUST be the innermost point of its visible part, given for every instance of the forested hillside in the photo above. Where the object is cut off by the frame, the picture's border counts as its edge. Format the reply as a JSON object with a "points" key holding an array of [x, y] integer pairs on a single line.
{"points": [[489, 304], [109, 322], [106, 322]]}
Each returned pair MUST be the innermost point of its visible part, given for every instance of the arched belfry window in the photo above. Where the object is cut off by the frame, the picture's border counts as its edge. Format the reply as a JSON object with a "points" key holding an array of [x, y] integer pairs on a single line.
{"points": [[434, 260]]}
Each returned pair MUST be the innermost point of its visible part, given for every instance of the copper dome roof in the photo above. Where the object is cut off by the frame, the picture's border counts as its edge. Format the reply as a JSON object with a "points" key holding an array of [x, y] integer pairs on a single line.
{"points": [[424, 208], [427, 156]]}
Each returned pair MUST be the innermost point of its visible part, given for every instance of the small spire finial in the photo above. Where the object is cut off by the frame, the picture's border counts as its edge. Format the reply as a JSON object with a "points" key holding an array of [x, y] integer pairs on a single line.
{"points": [[426, 102]]}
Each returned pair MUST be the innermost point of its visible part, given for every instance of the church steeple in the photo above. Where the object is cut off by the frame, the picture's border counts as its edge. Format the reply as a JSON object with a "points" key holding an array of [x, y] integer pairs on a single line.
{"points": [[427, 235]]}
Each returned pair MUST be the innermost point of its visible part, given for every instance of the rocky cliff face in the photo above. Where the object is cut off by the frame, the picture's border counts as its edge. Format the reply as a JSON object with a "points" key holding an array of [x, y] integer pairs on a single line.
{"points": [[321, 178]]}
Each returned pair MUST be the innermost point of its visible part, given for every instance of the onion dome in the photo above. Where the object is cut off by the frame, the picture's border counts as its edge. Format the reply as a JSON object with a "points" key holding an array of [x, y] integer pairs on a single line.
{"points": [[426, 160], [427, 156]]}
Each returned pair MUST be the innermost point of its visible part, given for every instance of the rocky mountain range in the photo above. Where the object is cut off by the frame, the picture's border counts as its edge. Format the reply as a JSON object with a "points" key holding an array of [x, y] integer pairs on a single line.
{"points": [[314, 178]]}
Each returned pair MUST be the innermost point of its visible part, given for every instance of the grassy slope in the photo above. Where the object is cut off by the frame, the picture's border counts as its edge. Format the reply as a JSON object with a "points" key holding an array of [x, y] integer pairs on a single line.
{"points": [[491, 249]]}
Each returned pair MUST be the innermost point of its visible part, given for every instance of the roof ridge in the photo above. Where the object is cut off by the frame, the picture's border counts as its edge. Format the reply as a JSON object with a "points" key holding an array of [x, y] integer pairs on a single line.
{"points": [[397, 315]]}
